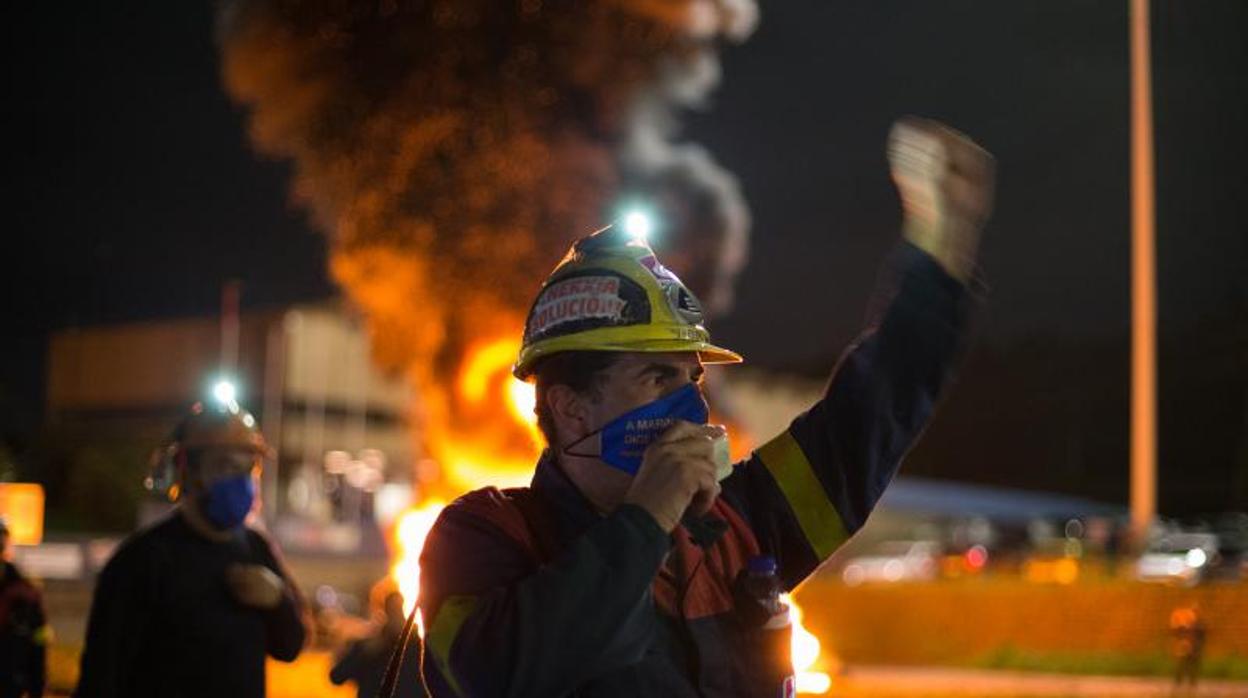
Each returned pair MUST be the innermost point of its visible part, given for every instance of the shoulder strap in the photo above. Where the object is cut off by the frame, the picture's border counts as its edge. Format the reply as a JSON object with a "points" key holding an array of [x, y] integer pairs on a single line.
{"points": [[390, 682]]}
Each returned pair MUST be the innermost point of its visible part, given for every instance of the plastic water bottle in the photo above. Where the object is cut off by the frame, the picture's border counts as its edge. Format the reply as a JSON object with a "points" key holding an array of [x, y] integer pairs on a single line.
{"points": [[762, 584], [758, 594]]}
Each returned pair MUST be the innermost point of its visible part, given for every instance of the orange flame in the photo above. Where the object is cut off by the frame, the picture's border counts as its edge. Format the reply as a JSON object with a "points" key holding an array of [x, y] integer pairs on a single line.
{"points": [[409, 537], [805, 650], [486, 452], [483, 451]]}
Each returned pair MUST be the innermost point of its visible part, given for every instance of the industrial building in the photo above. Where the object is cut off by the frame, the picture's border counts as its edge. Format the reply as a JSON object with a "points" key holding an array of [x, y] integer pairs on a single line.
{"points": [[338, 424]]}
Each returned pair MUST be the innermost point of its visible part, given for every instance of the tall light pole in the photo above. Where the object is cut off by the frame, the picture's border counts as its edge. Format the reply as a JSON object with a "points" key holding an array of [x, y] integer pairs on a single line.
{"points": [[1143, 281]]}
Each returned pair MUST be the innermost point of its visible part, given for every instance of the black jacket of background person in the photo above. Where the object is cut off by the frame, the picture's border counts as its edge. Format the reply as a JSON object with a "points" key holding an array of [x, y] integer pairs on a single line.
{"points": [[23, 635], [163, 622], [529, 592]]}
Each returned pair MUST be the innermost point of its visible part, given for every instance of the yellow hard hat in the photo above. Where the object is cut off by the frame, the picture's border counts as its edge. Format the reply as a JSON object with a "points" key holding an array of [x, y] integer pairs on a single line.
{"points": [[611, 294]]}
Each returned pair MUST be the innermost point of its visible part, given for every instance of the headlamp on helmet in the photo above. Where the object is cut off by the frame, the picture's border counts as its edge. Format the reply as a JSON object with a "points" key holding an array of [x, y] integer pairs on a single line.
{"points": [[216, 425]]}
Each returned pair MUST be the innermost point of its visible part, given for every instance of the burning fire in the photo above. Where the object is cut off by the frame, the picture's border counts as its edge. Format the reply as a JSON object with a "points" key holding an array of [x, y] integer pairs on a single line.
{"points": [[502, 441], [491, 363], [485, 385], [805, 651], [487, 456], [409, 537]]}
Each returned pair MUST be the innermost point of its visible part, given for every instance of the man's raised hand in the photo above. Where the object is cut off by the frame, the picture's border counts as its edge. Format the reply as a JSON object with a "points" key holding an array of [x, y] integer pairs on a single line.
{"points": [[946, 184]]}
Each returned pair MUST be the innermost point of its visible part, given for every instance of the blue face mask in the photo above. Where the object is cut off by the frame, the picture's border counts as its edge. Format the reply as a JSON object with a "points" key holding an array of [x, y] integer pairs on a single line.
{"points": [[228, 501], [625, 438]]}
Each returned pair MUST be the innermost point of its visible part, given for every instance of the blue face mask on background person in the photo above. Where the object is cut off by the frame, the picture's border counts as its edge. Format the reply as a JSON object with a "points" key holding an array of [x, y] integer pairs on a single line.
{"points": [[625, 438], [227, 502]]}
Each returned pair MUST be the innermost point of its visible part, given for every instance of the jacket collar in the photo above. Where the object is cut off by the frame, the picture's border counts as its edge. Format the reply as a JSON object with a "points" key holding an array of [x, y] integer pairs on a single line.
{"points": [[572, 511]]}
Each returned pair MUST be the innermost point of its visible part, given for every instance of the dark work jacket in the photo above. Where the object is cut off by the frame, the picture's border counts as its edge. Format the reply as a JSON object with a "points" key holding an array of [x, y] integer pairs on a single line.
{"points": [[163, 622], [365, 662], [23, 635], [529, 592]]}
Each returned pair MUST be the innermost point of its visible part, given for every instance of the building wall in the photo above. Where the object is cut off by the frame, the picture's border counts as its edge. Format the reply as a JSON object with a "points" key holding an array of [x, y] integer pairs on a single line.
{"points": [[130, 366], [305, 371], [328, 358], [333, 397]]}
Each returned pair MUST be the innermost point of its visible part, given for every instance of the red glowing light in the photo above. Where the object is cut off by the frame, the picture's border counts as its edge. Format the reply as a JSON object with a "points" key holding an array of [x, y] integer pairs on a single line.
{"points": [[976, 557]]}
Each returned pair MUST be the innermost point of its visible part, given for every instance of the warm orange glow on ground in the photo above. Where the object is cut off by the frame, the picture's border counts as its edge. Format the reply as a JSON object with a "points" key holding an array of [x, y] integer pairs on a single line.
{"points": [[1063, 570], [805, 649]]}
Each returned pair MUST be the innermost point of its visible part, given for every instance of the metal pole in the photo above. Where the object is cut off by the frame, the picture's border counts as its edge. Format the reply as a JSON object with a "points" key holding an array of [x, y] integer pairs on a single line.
{"points": [[274, 393], [1143, 282]]}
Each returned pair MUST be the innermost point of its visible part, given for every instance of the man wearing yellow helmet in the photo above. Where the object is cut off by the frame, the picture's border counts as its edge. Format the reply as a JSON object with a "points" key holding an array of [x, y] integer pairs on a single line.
{"points": [[192, 605], [640, 562]]}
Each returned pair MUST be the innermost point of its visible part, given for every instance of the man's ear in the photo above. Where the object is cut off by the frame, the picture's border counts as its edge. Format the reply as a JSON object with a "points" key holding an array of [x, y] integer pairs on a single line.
{"points": [[569, 410]]}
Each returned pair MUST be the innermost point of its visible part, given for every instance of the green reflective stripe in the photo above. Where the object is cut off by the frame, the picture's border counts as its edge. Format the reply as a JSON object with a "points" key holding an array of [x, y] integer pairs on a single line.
{"points": [[42, 636], [441, 636], [815, 513]]}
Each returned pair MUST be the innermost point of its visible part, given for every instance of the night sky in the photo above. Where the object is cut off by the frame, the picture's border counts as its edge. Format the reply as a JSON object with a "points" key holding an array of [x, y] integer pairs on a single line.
{"points": [[134, 194]]}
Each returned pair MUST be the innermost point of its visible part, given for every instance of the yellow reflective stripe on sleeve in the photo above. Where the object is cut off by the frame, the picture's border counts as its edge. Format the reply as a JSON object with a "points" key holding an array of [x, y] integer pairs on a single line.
{"points": [[441, 636], [817, 516], [42, 636]]}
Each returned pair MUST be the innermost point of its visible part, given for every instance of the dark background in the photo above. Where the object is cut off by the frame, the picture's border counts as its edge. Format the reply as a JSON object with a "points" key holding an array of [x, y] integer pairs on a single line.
{"points": [[133, 194]]}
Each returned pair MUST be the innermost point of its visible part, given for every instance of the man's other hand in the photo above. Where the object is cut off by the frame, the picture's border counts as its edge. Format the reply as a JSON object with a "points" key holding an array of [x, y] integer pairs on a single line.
{"points": [[946, 186]]}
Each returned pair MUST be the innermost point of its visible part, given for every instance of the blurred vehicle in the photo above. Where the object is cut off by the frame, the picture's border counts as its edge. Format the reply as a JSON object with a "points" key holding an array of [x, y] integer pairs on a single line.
{"points": [[894, 561], [1232, 531], [1183, 558]]}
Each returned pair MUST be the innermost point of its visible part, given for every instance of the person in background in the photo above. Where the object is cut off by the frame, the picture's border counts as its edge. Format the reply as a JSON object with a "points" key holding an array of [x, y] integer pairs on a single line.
{"points": [[1188, 630], [365, 660], [192, 605], [23, 629]]}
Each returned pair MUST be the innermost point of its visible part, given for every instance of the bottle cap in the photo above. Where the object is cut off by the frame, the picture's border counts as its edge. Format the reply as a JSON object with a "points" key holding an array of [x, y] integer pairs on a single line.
{"points": [[762, 565]]}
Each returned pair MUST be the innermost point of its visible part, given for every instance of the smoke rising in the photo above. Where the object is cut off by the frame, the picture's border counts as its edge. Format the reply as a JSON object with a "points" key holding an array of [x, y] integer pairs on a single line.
{"points": [[450, 150]]}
